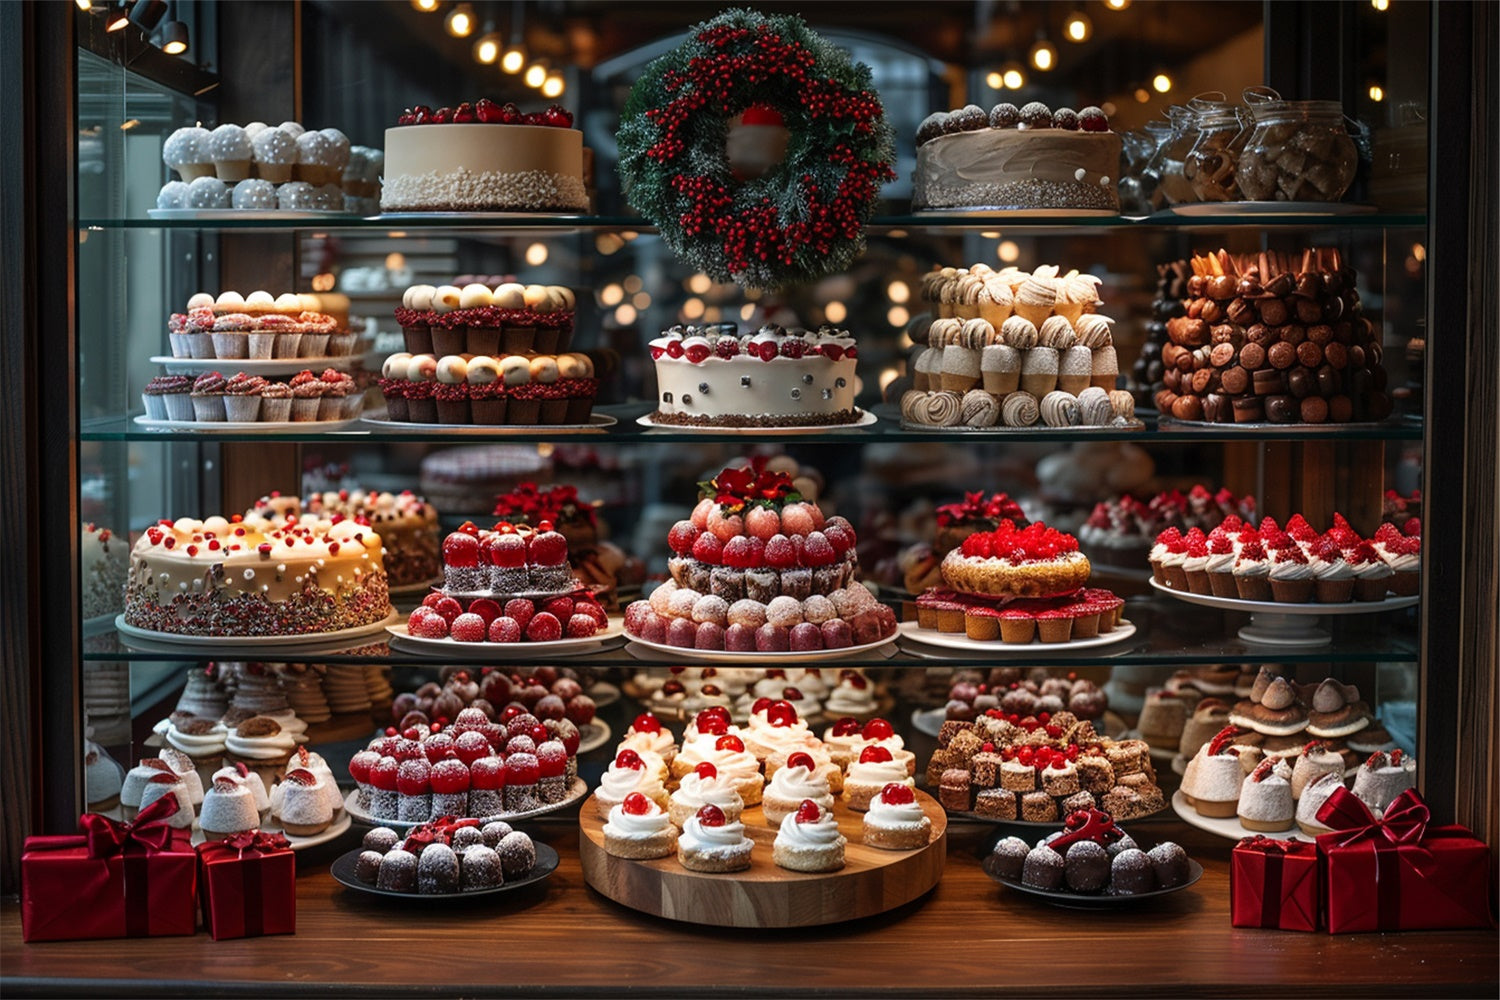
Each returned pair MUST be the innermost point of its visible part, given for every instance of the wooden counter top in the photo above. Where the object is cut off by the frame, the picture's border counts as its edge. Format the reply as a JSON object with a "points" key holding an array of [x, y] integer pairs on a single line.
{"points": [[968, 936]]}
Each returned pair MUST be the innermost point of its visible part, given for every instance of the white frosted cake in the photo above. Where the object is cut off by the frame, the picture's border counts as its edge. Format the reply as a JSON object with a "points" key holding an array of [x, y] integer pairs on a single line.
{"points": [[714, 376], [478, 167], [1027, 158]]}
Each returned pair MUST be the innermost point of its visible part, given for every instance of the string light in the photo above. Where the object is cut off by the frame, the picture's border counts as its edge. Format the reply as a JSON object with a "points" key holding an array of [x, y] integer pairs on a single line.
{"points": [[487, 48], [1381, 5], [460, 21], [536, 254], [898, 292], [1078, 27], [1117, 4], [553, 85], [897, 316], [1008, 251], [1161, 83], [425, 6], [1013, 76], [536, 75], [835, 312], [1043, 55], [514, 60], [995, 79], [699, 284], [1377, 92]]}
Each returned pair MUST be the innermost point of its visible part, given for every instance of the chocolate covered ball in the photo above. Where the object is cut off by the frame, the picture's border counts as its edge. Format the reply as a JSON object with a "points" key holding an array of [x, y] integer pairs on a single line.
{"points": [[1170, 863], [1086, 867], [437, 870], [1008, 858], [380, 839], [398, 871], [1043, 868], [1036, 115], [479, 868], [367, 867], [1131, 872], [1005, 116]]}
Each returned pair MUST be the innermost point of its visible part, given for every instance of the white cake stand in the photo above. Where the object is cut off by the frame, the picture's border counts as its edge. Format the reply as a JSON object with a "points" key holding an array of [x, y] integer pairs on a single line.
{"points": [[1273, 624]]}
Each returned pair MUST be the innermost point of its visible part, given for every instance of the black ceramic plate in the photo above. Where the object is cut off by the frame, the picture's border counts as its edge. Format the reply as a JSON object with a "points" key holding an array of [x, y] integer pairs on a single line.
{"points": [[546, 863], [1092, 902]]}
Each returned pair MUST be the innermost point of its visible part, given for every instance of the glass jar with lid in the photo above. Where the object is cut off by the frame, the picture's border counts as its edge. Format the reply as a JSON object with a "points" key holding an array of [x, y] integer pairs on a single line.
{"points": [[1172, 188], [1211, 164], [1297, 151]]}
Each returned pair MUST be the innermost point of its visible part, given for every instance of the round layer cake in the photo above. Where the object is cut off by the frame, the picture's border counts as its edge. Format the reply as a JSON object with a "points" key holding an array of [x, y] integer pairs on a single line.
{"points": [[713, 376], [1035, 561], [1029, 158], [483, 168], [220, 577], [407, 525]]}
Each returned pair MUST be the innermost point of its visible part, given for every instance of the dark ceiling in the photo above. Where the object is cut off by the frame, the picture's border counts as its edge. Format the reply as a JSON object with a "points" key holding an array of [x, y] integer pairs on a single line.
{"points": [[1127, 46]]}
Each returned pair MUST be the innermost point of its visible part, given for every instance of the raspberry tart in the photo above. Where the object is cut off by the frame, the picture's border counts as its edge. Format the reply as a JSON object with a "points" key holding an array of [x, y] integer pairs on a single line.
{"points": [[1034, 561]]}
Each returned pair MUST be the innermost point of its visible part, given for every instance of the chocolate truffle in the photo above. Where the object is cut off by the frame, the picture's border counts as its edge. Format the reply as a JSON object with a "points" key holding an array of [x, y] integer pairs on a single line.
{"points": [[367, 867], [517, 854], [494, 832], [479, 868], [465, 837], [1086, 867], [1008, 858], [437, 870], [1170, 863], [380, 839], [398, 871], [1043, 868], [1131, 872]]}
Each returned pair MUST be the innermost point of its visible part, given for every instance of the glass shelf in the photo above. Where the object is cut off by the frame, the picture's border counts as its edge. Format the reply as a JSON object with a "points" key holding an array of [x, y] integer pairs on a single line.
{"points": [[880, 225], [887, 429], [1169, 634]]}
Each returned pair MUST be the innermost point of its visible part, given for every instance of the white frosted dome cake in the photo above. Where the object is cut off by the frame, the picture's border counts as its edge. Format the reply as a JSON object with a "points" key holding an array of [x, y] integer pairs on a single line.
{"points": [[233, 577], [1027, 158], [503, 161], [714, 376]]}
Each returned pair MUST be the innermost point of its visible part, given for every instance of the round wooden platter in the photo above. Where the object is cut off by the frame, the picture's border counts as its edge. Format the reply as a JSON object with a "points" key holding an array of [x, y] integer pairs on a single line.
{"points": [[872, 880]]}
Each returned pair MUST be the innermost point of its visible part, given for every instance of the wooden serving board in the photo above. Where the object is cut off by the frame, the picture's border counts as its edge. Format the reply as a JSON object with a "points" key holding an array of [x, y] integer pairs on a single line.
{"points": [[872, 880]]}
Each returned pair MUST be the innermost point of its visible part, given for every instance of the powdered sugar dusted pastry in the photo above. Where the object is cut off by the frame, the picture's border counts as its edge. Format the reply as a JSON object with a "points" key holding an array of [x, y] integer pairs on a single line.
{"points": [[1265, 802], [1381, 778]]}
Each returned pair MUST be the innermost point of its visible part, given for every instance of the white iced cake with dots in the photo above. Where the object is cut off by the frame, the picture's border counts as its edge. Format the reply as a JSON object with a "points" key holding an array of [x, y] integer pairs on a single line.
{"points": [[251, 577], [483, 167]]}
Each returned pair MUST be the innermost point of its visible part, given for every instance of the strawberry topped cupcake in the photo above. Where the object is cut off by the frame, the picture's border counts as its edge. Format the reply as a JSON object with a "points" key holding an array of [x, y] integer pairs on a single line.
{"points": [[1252, 570]]}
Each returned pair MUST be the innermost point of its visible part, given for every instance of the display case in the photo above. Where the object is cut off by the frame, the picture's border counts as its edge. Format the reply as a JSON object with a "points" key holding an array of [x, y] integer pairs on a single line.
{"points": [[96, 685]]}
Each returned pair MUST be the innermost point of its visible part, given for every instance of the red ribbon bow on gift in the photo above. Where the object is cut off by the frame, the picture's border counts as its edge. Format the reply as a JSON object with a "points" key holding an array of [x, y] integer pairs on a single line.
{"points": [[255, 842], [1270, 845], [1405, 820], [107, 837]]}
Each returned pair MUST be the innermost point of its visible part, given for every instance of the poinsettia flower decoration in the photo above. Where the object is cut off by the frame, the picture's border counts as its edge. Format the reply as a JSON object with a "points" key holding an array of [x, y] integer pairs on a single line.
{"points": [[977, 507], [750, 486], [528, 505]]}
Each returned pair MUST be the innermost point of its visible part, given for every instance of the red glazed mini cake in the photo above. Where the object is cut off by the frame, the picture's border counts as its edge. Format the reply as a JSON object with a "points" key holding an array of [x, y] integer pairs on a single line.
{"points": [[483, 157]]}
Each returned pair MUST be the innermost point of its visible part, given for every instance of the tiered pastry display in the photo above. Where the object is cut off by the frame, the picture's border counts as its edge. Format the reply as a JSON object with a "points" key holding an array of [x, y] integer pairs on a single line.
{"points": [[475, 766], [484, 157], [1273, 337], [921, 565], [554, 696], [770, 798], [757, 569], [1012, 349], [511, 584], [246, 577], [1091, 856], [1038, 768], [266, 168], [716, 376], [1122, 531], [101, 561], [1297, 565], [259, 327], [1018, 585], [1017, 158], [599, 564], [1012, 691], [481, 355], [407, 526], [445, 857]]}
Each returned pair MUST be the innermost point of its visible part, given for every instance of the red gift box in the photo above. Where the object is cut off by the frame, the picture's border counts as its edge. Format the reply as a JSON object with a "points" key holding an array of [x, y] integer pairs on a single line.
{"points": [[1275, 883], [1397, 873], [112, 880], [249, 885]]}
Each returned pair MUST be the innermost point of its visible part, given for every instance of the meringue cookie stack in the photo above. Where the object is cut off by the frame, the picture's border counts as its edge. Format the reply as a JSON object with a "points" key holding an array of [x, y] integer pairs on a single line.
{"points": [[263, 167], [1010, 348]]}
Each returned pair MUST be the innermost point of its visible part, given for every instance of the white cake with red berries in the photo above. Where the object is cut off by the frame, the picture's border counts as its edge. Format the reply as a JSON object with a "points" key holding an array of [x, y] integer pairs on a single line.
{"points": [[715, 376], [483, 158], [1017, 158], [758, 569], [250, 577], [512, 583], [407, 525]]}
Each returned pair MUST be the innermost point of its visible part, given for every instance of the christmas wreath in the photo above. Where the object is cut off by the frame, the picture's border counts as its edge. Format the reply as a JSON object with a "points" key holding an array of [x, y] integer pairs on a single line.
{"points": [[801, 219]]}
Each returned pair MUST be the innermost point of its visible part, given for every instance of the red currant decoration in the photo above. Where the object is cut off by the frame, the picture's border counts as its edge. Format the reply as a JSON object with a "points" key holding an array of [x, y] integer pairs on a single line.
{"points": [[805, 216]]}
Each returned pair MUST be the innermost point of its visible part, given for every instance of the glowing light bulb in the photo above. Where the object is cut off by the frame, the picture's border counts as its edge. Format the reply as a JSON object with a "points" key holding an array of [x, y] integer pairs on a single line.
{"points": [[553, 85], [1043, 55], [1161, 83], [514, 60], [1078, 27], [460, 21]]}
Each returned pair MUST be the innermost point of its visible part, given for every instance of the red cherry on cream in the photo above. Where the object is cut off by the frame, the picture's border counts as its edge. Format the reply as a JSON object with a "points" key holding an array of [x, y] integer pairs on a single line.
{"points": [[800, 759], [874, 755], [636, 804], [706, 771], [646, 723], [847, 726], [808, 812], [731, 743], [709, 815], [897, 794], [781, 713], [629, 758], [877, 729]]}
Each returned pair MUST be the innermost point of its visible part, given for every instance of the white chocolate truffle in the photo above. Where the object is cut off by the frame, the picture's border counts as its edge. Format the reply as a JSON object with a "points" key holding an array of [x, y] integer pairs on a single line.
{"points": [[510, 296], [452, 369], [274, 146], [229, 302], [536, 297], [421, 368], [314, 149], [288, 304], [185, 147], [483, 369], [295, 196], [475, 296], [515, 369], [421, 297], [396, 366], [229, 144], [259, 301], [338, 147], [201, 300], [446, 298], [207, 192], [254, 193], [173, 194], [544, 369]]}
